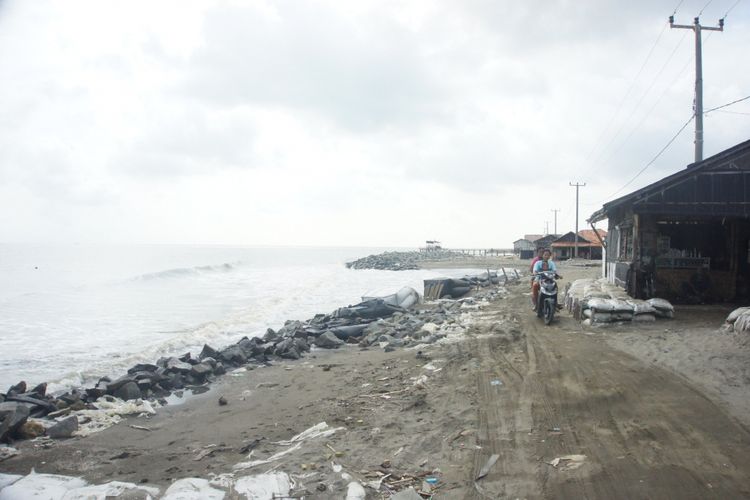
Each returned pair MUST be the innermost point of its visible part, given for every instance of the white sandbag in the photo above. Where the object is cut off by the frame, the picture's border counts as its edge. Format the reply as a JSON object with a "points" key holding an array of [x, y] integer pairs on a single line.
{"points": [[622, 316], [742, 323], [644, 318], [598, 317], [601, 305], [736, 313], [661, 304], [641, 307], [621, 306]]}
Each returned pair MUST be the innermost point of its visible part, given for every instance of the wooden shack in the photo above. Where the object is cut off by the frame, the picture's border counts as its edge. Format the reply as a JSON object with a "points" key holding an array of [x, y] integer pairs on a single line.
{"points": [[685, 237]]}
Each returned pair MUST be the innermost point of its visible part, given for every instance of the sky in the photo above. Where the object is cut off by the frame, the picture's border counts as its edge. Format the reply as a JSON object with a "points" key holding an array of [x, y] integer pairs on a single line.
{"points": [[332, 122]]}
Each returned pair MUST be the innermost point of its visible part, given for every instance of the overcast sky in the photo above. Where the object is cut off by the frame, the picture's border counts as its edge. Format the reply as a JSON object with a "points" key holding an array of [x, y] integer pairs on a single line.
{"points": [[347, 122]]}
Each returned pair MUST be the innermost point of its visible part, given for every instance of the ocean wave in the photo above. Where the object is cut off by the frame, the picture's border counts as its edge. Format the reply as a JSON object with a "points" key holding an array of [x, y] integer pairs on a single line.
{"points": [[188, 271]]}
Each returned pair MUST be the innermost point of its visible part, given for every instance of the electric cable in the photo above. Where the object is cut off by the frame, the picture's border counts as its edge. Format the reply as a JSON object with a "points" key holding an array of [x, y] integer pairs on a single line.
{"points": [[704, 8], [654, 158], [727, 104]]}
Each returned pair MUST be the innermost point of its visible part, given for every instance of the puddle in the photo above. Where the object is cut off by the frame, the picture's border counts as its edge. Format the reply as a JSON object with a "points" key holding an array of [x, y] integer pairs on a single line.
{"points": [[181, 396]]}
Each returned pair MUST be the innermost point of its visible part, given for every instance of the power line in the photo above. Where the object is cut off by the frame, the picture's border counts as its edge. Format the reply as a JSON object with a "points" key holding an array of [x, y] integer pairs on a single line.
{"points": [[704, 7], [643, 96], [733, 112], [654, 158], [731, 8], [727, 104], [627, 93]]}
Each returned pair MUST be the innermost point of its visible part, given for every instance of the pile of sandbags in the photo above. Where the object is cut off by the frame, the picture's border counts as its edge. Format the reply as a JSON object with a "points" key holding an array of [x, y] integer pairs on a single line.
{"points": [[739, 320], [597, 302]]}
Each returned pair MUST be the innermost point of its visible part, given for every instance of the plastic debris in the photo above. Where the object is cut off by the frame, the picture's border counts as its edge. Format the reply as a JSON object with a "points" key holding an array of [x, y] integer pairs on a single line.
{"points": [[487, 466], [264, 486], [568, 462]]}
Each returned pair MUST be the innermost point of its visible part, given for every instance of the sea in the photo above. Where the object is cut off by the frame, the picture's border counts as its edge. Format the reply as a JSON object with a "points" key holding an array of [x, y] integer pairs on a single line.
{"points": [[70, 314]]}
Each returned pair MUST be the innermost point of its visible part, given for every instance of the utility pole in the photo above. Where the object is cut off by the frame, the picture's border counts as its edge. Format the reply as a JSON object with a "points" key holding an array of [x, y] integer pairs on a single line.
{"points": [[546, 227], [697, 28], [575, 248], [555, 210]]}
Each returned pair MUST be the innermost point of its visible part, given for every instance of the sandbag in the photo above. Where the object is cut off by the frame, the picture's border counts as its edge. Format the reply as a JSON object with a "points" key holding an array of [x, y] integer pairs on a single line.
{"points": [[600, 305], [736, 313], [742, 323], [641, 307], [644, 318], [661, 304]]}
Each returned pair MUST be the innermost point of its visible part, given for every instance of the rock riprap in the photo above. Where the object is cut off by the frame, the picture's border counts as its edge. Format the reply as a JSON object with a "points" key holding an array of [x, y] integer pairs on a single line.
{"points": [[401, 261]]}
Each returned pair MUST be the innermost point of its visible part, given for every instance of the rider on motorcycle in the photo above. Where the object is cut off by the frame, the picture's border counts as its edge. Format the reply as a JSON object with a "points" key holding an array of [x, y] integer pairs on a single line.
{"points": [[545, 264]]}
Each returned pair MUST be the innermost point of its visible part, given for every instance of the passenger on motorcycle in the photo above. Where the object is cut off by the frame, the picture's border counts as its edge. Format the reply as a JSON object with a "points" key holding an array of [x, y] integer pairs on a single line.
{"points": [[545, 264]]}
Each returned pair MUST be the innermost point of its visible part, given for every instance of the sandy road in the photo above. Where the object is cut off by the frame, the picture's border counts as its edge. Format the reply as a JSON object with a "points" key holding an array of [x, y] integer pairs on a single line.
{"points": [[645, 432]]}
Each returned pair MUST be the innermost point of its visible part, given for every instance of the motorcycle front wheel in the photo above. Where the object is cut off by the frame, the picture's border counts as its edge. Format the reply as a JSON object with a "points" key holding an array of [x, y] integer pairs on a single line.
{"points": [[549, 311]]}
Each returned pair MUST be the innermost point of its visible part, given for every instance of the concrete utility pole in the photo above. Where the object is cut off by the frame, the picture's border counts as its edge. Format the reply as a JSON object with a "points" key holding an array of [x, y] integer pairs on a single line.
{"points": [[546, 227], [555, 210], [575, 248], [697, 28]]}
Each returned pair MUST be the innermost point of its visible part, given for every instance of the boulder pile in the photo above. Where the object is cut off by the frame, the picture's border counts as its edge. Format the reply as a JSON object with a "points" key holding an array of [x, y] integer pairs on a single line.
{"points": [[401, 261], [600, 302]]}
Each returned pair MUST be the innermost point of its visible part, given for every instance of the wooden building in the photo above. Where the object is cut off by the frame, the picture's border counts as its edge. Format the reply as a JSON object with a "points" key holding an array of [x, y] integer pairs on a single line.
{"points": [[589, 246], [523, 248], [686, 237]]}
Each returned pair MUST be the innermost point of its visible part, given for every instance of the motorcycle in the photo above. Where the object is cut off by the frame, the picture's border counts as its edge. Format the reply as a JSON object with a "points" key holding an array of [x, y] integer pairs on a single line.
{"points": [[547, 301]]}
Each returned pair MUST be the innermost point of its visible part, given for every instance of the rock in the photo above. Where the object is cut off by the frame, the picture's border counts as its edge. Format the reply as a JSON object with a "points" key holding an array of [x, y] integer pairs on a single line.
{"points": [[292, 353], [128, 391], [143, 367], [64, 428], [223, 401], [116, 384], [201, 370], [209, 361], [233, 355], [219, 369], [31, 429], [301, 345], [19, 388], [292, 328], [328, 340], [270, 335], [40, 389], [185, 358], [283, 347], [35, 401], [208, 352], [178, 365], [12, 416]]}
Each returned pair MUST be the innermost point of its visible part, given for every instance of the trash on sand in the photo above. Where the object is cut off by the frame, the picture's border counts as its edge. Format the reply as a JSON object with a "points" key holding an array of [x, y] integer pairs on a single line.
{"points": [[355, 491], [432, 480], [487, 466], [568, 462], [319, 430], [209, 450], [496, 382], [272, 458], [264, 486], [192, 487], [140, 428]]}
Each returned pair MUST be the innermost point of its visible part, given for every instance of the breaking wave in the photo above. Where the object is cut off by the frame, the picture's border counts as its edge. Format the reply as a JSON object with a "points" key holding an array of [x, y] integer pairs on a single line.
{"points": [[188, 271]]}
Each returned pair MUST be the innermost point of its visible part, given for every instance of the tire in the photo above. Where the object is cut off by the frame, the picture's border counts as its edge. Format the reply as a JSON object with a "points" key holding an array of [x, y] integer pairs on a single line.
{"points": [[549, 311]]}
